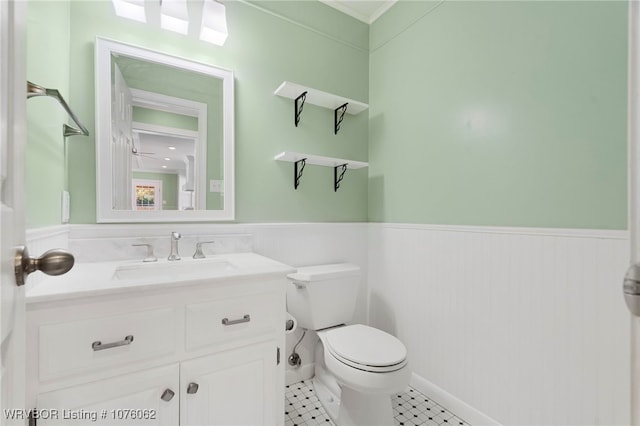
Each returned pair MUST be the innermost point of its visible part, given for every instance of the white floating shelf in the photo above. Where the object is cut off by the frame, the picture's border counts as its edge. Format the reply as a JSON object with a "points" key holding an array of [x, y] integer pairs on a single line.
{"points": [[320, 98], [300, 160], [318, 160]]}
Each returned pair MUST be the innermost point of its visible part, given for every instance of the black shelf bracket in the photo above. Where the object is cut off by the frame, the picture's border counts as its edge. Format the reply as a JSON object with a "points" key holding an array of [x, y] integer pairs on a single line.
{"points": [[338, 116], [298, 167], [338, 176], [298, 104]]}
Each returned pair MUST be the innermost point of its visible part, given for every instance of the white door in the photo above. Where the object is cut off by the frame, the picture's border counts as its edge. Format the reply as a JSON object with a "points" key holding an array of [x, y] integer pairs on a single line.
{"points": [[12, 140], [234, 387], [123, 148], [634, 198], [143, 398]]}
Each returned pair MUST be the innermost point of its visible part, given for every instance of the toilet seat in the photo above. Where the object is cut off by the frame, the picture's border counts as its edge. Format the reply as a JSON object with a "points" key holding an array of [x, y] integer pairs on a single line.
{"points": [[366, 348]]}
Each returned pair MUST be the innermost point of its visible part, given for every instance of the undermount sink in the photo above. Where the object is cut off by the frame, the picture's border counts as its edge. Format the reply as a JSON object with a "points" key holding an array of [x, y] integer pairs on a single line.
{"points": [[179, 269]]}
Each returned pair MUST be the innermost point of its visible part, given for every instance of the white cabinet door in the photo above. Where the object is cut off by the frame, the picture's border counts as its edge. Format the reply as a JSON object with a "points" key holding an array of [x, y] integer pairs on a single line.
{"points": [[143, 398], [234, 387]]}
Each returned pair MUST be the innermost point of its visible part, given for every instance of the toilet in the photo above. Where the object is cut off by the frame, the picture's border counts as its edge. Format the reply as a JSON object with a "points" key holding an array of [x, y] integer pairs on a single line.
{"points": [[357, 367]]}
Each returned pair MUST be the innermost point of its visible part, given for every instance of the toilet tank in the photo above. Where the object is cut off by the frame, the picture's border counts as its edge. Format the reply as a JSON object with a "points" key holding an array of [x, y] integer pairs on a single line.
{"points": [[323, 296]]}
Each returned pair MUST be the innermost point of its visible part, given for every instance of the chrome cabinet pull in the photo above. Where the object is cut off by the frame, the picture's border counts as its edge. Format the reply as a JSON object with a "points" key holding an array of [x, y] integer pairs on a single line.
{"points": [[99, 346], [192, 388], [246, 318], [167, 395]]}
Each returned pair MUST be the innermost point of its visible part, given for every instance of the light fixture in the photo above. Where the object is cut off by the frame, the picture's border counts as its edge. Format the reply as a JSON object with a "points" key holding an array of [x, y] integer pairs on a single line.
{"points": [[173, 16], [214, 23], [130, 9], [164, 167], [172, 147], [167, 159]]}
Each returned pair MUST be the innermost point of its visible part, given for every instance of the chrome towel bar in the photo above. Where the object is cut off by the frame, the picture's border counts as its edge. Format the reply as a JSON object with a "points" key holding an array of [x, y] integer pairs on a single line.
{"points": [[35, 90]]}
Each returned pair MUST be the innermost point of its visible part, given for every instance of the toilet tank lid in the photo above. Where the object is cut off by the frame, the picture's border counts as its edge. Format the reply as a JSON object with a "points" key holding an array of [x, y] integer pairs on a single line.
{"points": [[324, 272]]}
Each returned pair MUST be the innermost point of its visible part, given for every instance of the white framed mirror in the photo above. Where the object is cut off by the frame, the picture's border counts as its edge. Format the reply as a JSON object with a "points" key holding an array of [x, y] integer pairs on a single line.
{"points": [[164, 137]]}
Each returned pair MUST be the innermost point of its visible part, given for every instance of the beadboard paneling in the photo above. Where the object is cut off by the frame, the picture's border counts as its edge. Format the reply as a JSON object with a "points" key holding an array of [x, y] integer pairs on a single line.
{"points": [[526, 326]]}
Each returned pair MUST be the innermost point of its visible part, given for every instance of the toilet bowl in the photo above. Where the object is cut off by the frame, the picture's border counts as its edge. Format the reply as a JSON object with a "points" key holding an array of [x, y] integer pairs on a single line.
{"points": [[368, 366], [365, 358], [357, 367]]}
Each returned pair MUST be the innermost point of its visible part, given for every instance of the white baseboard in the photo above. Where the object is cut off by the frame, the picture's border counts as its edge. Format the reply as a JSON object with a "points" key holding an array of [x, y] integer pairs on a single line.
{"points": [[458, 407], [305, 372]]}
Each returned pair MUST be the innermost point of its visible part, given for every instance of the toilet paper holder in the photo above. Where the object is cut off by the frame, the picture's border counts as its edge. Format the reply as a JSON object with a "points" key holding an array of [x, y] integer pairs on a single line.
{"points": [[290, 324]]}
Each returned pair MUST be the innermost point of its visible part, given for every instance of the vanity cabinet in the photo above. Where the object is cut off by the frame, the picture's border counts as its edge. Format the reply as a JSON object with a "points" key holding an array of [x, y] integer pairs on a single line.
{"points": [[202, 353]]}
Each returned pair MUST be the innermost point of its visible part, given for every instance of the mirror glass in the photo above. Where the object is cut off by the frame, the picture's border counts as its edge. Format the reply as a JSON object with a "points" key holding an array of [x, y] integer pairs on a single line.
{"points": [[164, 137]]}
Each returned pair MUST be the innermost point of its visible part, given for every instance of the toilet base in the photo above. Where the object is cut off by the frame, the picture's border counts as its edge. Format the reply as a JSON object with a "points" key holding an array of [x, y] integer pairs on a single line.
{"points": [[325, 385], [348, 407], [328, 399], [345, 406], [359, 409]]}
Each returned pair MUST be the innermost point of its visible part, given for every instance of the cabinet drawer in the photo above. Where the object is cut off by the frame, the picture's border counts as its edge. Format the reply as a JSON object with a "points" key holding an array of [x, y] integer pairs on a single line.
{"points": [[93, 344], [228, 319]]}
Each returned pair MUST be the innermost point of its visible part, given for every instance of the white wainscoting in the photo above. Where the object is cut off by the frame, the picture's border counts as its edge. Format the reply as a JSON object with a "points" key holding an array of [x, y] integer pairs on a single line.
{"points": [[520, 326]]}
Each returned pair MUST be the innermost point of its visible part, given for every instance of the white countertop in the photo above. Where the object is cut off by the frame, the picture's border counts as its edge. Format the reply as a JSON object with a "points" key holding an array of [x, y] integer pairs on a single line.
{"points": [[88, 279]]}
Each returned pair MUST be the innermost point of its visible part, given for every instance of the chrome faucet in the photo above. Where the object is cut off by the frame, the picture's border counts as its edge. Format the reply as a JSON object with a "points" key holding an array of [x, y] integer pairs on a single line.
{"points": [[175, 236]]}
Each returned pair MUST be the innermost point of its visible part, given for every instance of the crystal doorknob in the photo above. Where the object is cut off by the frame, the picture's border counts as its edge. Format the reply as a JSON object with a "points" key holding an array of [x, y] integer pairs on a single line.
{"points": [[52, 262]]}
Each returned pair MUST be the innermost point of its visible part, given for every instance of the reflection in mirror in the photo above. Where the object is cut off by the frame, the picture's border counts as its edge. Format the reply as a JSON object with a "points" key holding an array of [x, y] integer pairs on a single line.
{"points": [[164, 137]]}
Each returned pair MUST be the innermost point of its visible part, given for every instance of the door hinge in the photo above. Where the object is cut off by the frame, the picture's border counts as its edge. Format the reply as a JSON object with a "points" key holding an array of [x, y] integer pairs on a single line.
{"points": [[278, 356]]}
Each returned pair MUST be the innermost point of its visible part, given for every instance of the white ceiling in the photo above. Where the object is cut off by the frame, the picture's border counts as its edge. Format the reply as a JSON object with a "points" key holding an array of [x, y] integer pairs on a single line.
{"points": [[364, 10], [154, 153]]}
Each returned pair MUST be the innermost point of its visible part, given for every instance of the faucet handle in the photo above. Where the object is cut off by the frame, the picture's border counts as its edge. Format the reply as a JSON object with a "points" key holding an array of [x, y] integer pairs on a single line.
{"points": [[150, 256], [199, 254]]}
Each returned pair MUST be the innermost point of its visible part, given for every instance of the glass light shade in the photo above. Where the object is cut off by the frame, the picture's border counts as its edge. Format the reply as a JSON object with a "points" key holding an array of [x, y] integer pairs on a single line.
{"points": [[174, 17], [130, 9], [214, 23]]}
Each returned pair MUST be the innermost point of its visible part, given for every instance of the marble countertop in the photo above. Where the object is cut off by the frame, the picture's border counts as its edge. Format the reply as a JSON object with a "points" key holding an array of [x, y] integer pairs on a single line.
{"points": [[87, 279]]}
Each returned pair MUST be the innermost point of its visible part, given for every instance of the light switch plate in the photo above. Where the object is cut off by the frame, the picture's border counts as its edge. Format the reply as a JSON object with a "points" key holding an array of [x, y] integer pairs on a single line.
{"points": [[66, 199]]}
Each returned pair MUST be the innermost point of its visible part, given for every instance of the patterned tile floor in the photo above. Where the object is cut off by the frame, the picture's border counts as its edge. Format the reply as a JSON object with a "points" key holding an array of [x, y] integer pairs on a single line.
{"points": [[410, 408]]}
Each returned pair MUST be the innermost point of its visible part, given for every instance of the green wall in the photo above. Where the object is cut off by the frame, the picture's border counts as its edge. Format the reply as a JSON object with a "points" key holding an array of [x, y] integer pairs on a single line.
{"points": [[264, 48], [481, 113], [47, 66], [499, 113]]}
